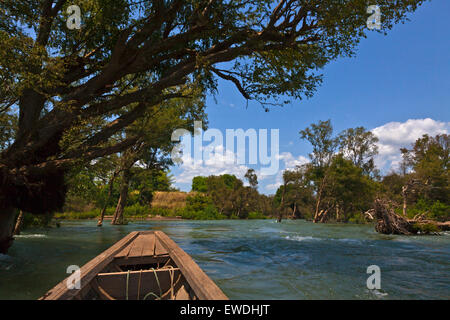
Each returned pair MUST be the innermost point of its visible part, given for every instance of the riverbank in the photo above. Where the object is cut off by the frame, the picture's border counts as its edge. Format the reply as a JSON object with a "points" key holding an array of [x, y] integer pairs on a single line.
{"points": [[249, 259]]}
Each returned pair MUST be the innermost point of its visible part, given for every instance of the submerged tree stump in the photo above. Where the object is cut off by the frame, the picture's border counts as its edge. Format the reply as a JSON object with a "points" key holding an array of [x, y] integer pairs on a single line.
{"points": [[388, 222]]}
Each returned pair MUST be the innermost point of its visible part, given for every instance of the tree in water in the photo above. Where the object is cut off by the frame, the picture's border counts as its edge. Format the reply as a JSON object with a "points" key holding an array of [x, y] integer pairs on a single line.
{"points": [[428, 175], [341, 166], [324, 145], [296, 192]]}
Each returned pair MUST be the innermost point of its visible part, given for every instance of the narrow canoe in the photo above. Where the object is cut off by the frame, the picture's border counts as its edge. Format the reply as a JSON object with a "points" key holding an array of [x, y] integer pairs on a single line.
{"points": [[143, 265]]}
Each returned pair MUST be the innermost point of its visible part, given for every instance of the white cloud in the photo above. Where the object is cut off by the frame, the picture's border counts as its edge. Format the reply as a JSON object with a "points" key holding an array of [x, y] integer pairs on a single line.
{"points": [[395, 135], [290, 162], [273, 186], [218, 163]]}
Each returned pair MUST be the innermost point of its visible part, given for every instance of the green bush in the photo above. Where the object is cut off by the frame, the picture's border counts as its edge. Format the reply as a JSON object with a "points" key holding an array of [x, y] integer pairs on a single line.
{"points": [[199, 207], [32, 220], [164, 212], [434, 210], [92, 214], [256, 215], [136, 209], [357, 218], [425, 228]]}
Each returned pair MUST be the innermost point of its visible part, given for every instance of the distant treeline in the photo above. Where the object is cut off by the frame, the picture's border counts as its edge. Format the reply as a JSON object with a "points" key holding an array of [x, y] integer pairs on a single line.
{"points": [[339, 184]]}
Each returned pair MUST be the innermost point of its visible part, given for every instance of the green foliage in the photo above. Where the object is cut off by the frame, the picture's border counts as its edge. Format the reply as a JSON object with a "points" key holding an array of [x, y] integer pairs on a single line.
{"points": [[199, 184], [296, 193], [92, 214], [357, 218], [230, 197], [340, 184], [320, 136], [391, 186], [136, 209], [163, 212], [348, 185], [252, 178], [32, 220], [144, 182], [429, 161], [434, 210], [200, 207], [132, 211], [256, 215], [425, 228], [360, 146]]}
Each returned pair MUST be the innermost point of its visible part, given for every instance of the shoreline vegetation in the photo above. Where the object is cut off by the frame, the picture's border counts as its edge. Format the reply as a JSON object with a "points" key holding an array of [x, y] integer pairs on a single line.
{"points": [[340, 184]]}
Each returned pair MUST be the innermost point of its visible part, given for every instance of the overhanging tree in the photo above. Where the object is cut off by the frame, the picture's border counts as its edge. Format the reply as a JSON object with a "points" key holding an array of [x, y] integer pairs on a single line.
{"points": [[63, 80]]}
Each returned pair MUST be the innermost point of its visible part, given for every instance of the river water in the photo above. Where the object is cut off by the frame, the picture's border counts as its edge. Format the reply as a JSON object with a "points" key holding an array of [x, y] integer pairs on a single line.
{"points": [[252, 259]]}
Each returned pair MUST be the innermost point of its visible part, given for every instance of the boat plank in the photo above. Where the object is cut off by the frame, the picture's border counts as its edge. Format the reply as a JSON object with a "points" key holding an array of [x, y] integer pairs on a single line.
{"points": [[159, 248], [125, 251], [138, 246], [203, 286], [149, 247]]}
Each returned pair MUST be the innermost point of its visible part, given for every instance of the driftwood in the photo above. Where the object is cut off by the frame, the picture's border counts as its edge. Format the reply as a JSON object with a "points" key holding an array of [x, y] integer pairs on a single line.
{"points": [[388, 222], [369, 214], [322, 216]]}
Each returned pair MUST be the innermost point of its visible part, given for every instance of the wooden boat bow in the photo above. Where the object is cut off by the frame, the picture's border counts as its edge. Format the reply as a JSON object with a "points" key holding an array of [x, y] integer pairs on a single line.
{"points": [[144, 264]]}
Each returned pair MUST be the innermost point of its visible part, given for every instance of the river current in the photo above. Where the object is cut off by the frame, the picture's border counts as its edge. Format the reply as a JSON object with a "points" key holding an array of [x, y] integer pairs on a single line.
{"points": [[250, 259]]}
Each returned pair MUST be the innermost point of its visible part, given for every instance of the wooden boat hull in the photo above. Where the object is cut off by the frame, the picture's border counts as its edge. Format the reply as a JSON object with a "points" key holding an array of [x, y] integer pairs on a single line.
{"points": [[143, 265]]}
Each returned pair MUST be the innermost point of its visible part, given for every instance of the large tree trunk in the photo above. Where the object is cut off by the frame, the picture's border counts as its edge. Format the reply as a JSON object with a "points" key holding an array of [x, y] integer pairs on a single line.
{"points": [[294, 211], [404, 195], [7, 217], [280, 212], [19, 222], [111, 186], [322, 217], [319, 199], [118, 214]]}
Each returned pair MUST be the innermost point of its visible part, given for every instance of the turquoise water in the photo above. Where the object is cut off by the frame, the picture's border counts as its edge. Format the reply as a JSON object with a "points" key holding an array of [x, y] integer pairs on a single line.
{"points": [[254, 259]]}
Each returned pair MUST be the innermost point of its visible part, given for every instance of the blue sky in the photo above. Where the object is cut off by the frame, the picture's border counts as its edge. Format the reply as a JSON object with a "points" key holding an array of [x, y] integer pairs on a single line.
{"points": [[397, 85]]}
